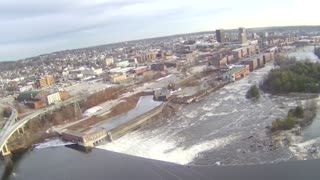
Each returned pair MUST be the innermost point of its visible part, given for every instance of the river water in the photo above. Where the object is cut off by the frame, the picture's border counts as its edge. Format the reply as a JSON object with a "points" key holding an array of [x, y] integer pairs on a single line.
{"points": [[304, 53], [223, 129]]}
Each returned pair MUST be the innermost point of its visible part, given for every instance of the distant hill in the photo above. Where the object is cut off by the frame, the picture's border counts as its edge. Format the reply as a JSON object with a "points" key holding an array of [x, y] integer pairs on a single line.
{"points": [[121, 44]]}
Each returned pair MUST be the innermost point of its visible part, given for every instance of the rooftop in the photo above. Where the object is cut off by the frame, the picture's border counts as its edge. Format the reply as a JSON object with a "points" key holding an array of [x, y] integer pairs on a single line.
{"points": [[28, 95], [234, 70], [140, 67]]}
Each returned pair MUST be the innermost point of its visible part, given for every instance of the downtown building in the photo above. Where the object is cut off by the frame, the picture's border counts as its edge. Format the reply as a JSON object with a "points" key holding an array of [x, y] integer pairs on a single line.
{"points": [[243, 36], [220, 36]]}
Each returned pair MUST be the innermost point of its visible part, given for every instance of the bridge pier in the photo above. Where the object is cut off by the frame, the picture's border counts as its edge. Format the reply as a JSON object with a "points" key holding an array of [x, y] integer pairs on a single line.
{"points": [[16, 119], [110, 136], [5, 151], [21, 130]]}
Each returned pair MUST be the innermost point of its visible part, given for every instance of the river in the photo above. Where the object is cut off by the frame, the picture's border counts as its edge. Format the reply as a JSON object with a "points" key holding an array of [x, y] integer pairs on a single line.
{"points": [[145, 104], [223, 129]]}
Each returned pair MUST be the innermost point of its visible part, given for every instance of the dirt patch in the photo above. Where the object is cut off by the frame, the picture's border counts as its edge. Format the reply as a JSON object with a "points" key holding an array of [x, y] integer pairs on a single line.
{"points": [[189, 82], [102, 96]]}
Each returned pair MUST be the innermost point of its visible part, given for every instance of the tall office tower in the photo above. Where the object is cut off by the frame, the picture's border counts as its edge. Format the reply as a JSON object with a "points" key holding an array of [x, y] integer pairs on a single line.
{"points": [[242, 30], [254, 36], [220, 36], [242, 35]]}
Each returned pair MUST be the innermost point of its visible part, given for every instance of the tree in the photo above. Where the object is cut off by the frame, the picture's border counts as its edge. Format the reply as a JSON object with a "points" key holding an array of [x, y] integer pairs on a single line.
{"points": [[299, 112], [253, 92], [293, 76], [7, 112], [289, 123]]}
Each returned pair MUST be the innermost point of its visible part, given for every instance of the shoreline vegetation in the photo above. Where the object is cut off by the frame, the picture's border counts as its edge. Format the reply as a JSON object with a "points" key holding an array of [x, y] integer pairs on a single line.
{"points": [[292, 76], [317, 52], [253, 93], [300, 115]]}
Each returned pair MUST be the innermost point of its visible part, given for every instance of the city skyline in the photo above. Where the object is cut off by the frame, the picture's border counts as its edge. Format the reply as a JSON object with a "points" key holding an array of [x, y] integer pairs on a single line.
{"points": [[35, 27]]}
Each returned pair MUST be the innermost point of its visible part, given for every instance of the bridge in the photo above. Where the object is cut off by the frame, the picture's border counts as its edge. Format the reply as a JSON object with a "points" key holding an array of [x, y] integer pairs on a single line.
{"points": [[12, 126], [9, 131]]}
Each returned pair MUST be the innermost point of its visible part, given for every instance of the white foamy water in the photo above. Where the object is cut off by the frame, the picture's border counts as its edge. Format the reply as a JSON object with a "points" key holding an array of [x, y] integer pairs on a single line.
{"points": [[52, 143], [162, 149], [215, 129], [224, 127]]}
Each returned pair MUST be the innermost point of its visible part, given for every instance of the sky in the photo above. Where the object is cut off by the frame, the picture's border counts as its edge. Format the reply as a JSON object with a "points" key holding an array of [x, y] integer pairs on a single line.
{"points": [[32, 27]]}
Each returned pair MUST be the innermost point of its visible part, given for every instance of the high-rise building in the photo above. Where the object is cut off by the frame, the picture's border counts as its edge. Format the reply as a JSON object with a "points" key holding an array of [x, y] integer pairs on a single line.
{"points": [[254, 36], [220, 35], [242, 35], [242, 30]]}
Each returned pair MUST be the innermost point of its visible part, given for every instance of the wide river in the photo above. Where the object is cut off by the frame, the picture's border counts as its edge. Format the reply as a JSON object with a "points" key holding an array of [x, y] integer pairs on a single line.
{"points": [[222, 129]]}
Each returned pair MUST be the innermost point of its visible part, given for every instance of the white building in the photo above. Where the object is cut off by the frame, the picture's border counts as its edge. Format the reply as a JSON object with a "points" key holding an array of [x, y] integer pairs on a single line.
{"points": [[65, 73], [53, 98], [92, 72], [17, 79], [25, 88], [109, 61]]}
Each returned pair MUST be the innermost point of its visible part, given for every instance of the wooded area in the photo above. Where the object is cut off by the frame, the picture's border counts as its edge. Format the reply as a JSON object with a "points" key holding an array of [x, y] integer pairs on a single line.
{"points": [[291, 75]]}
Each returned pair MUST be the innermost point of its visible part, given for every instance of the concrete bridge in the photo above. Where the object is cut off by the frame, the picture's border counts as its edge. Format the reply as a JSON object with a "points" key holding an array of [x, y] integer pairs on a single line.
{"points": [[12, 119], [12, 126], [16, 127]]}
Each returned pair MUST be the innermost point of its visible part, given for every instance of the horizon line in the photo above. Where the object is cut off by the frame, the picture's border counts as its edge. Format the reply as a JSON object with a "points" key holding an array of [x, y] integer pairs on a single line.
{"points": [[150, 38]]}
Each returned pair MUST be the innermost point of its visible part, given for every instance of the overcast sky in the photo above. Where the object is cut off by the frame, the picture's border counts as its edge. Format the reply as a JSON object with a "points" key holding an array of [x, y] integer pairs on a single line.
{"points": [[33, 27]]}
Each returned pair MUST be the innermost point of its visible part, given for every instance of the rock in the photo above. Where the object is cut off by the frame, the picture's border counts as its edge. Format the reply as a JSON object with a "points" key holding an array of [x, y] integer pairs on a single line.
{"points": [[250, 137], [313, 150]]}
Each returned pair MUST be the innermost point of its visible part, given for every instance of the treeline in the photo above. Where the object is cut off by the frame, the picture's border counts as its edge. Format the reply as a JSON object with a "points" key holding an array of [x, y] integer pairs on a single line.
{"points": [[7, 112], [293, 76], [253, 93], [60, 116], [317, 52], [102, 96]]}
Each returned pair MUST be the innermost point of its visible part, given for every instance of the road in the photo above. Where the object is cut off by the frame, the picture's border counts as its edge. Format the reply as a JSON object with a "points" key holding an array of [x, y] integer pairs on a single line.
{"points": [[10, 121]]}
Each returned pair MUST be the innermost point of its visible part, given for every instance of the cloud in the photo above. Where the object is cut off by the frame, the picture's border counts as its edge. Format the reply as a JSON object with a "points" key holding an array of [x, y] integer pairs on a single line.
{"points": [[60, 24]]}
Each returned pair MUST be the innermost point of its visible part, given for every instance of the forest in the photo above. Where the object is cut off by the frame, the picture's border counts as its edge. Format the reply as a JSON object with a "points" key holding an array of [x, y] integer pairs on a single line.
{"points": [[291, 75]]}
